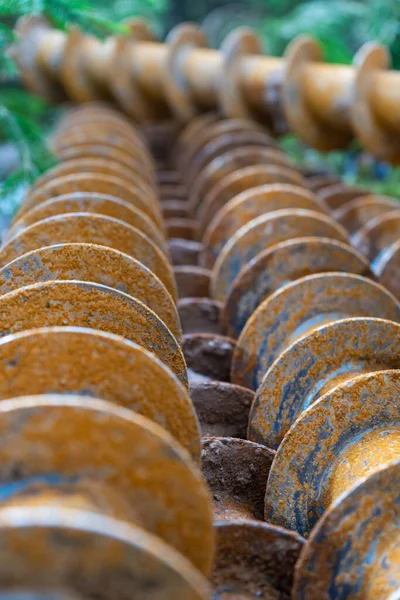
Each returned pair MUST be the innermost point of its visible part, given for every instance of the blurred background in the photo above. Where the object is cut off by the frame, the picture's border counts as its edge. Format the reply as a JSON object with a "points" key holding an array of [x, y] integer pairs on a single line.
{"points": [[341, 26]]}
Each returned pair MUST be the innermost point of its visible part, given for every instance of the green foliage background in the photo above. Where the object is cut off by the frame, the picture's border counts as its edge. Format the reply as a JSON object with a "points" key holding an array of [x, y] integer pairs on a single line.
{"points": [[341, 26]]}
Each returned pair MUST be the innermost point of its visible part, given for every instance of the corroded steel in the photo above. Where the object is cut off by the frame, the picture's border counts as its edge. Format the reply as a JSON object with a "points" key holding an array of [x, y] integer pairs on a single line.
{"points": [[228, 162], [240, 181], [311, 367], [322, 349], [88, 308], [281, 319], [322, 457], [91, 290], [102, 365], [82, 469], [248, 205], [82, 543], [356, 213], [98, 264], [318, 182], [325, 104], [220, 132], [79, 202], [91, 228], [339, 194], [142, 198], [377, 234], [95, 165], [280, 264], [242, 137], [388, 268], [365, 519], [249, 240], [86, 304]]}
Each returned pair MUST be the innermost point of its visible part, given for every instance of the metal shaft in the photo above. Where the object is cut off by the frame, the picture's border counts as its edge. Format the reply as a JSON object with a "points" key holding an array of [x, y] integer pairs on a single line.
{"points": [[325, 105]]}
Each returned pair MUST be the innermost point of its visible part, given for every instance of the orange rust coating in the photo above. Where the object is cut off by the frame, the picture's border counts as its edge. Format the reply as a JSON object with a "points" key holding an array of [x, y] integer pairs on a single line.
{"points": [[228, 162], [359, 461], [385, 99], [378, 234], [278, 322], [356, 213], [42, 548], [91, 203], [106, 366], [247, 206], [91, 228], [240, 181], [111, 139], [210, 133], [200, 69], [141, 197], [98, 264], [85, 304], [148, 66], [98, 61], [388, 269], [366, 401], [97, 443], [95, 124], [101, 150], [225, 141], [328, 92], [91, 114], [110, 133], [256, 75], [94, 165], [374, 512]]}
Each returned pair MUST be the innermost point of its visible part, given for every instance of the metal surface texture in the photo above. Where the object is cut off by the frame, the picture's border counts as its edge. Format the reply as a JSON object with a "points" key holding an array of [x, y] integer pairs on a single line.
{"points": [[90, 228], [281, 320], [110, 206], [326, 105], [363, 522], [87, 304], [262, 233], [249, 205], [96, 264], [314, 365], [101, 365], [276, 266], [349, 434], [205, 307], [346, 326], [95, 411], [71, 429]]}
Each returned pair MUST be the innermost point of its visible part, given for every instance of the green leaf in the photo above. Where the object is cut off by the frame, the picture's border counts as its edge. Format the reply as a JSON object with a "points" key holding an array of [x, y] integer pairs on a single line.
{"points": [[13, 190], [21, 7]]}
